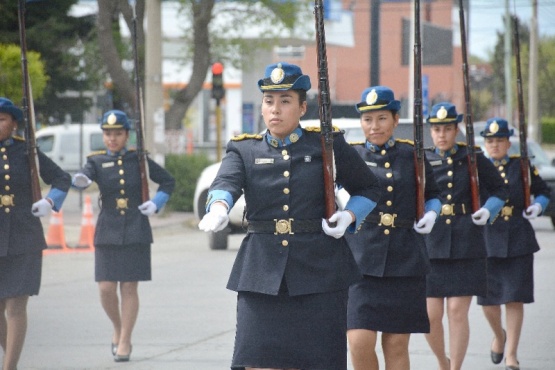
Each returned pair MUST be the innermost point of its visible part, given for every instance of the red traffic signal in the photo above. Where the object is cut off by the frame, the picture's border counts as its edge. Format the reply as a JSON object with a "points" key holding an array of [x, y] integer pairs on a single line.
{"points": [[218, 91]]}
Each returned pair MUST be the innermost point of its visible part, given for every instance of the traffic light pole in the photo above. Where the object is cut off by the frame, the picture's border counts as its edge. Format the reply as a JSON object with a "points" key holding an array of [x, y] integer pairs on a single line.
{"points": [[218, 92], [218, 131]]}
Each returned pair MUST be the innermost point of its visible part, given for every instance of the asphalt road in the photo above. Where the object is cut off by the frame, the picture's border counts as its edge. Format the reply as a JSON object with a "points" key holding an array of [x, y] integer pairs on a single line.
{"points": [[187, 317]]}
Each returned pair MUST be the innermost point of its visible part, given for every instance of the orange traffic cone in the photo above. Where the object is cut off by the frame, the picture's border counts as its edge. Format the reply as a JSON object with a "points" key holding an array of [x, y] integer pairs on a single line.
{"points": [[55, 237], [86, 239]]}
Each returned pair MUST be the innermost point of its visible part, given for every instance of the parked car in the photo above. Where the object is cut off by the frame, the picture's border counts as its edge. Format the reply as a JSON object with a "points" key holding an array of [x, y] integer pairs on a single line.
{"points": [[62, 143], [538, 157], [352, 132]]}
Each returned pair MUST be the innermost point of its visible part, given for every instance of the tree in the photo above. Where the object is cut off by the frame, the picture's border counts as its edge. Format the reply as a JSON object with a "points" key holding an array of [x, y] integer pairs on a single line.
{"points": [[206, 40], [11, 82], [58, 38]]}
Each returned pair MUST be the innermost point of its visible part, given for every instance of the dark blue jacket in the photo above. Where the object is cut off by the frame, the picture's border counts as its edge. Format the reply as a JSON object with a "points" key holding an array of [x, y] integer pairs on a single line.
{"points": [[286, 182], [456, 236], [511, 234], [118, 177], [393, 251], [20, 231]]}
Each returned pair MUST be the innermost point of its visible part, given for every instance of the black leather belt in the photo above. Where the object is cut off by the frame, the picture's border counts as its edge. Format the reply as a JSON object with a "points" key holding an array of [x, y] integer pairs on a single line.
{"points": [[285, 226], [455, 209], [389, 220]]}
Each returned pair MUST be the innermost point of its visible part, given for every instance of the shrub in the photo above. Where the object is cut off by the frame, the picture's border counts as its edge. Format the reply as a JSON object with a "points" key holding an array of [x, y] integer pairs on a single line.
{"points": [[186, 168], [548, 130]]}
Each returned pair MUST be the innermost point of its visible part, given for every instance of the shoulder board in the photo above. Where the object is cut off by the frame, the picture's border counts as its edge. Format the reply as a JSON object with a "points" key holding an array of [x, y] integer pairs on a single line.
{"points": [[514, 156], [18, 138], [357, 142], [98, 152], [460, 143], [246, 136], [319, 129], [406, 141]]}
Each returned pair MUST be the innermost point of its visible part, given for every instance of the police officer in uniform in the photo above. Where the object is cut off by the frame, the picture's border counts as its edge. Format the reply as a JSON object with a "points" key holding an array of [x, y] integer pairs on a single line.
{"points": [[293, 270], [456, 244], [123, 235], [511, 244], [389, 248], [21, 234]]}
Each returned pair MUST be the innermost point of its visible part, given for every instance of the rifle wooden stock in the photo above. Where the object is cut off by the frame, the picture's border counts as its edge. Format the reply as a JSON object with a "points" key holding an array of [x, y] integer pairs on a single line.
{"points": [[471, 148], [28, 109], [325, 111], [140, 117], [524, 159], [419, 162]]}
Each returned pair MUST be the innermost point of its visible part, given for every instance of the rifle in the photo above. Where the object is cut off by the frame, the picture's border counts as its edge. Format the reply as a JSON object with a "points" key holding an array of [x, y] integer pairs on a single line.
{"points": [[28, 109], [140, 115], [325, 111], [419, 163], [524, 159], [471, 149]]}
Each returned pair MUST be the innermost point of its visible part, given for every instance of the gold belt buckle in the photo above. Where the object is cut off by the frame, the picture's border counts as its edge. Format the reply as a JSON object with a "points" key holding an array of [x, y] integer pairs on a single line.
{"points": [[387, 219], [121, 203], [283, 226], [507, 212], [7, 200], [448, 210]]}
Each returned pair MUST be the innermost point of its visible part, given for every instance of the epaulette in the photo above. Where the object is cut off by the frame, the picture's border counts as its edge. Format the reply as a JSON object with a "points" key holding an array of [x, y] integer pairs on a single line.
{"points": [[98, 152], [246, 136], [18, 138], [357, 142], [514, 156], [406, 141], [319, 129], [477, 147]]}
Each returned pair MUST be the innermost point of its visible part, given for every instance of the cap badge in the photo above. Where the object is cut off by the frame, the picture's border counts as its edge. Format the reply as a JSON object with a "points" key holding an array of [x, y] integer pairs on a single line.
{"points": [[277, 74], [372, 97], [442, 113], [112, 119], [494, 127]]}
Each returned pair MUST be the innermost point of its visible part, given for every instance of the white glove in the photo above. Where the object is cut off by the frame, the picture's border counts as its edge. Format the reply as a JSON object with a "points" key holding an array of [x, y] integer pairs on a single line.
{"points": [[216, 219], [81, 181], [148, 208], [41, 208], [481, 216], [426, 223], [532, 212], [343, 219]]}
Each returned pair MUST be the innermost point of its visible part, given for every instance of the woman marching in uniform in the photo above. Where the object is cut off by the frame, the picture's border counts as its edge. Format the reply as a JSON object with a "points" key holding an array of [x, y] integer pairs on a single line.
{"points": [[123, 235], [456, 245], [293, 270], [511, 244], [21, 235], [388, 248]]}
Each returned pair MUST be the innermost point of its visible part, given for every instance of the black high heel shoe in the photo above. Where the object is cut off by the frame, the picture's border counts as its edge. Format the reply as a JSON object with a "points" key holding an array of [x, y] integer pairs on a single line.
{"points": [[114, 349], [123, 358], [496, 358]]}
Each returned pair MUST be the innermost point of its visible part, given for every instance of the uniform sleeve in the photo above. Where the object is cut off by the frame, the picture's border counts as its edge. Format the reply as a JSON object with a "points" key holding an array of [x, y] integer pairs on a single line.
{"points": [[53, 175], [490, 178], [89, 169], [539, 188], [354, 175], [229, 182], [159, 175], [432, 193]]}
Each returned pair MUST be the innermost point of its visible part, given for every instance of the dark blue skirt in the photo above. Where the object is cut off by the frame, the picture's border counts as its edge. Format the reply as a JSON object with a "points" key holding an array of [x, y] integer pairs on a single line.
{"points": [[509, 280], [20, 274], [456, 278], [303, 332], [122, 262], [389, 304]]}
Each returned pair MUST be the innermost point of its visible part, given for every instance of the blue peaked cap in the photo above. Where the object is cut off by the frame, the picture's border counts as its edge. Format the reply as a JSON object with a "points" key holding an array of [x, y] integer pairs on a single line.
{"points": [[7, 106], [114, 119], [444, 113], [284, 76], [497, 127], [378, 98]]}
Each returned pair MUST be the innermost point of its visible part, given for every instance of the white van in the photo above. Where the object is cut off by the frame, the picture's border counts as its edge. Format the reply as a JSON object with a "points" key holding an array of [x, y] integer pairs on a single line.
{"points": [[62, 143]]}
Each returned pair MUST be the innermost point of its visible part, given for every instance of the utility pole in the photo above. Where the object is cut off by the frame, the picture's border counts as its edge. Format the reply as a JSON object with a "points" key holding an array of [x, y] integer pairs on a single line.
{"points": [[508, 66], [534, 126], [374, 42], [154, 92]]}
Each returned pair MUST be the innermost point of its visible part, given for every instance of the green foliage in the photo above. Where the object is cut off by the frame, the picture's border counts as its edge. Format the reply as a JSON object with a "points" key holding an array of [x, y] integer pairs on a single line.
{"points": [[11, 85], [548, 130], [186, 168]]}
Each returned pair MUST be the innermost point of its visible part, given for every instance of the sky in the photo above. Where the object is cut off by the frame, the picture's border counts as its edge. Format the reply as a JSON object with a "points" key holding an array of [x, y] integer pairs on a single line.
{"points": [[486, 20]]}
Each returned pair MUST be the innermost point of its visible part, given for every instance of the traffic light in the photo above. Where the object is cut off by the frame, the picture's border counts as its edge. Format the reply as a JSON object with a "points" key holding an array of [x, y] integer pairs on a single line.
{"points": [[218, 91]]}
